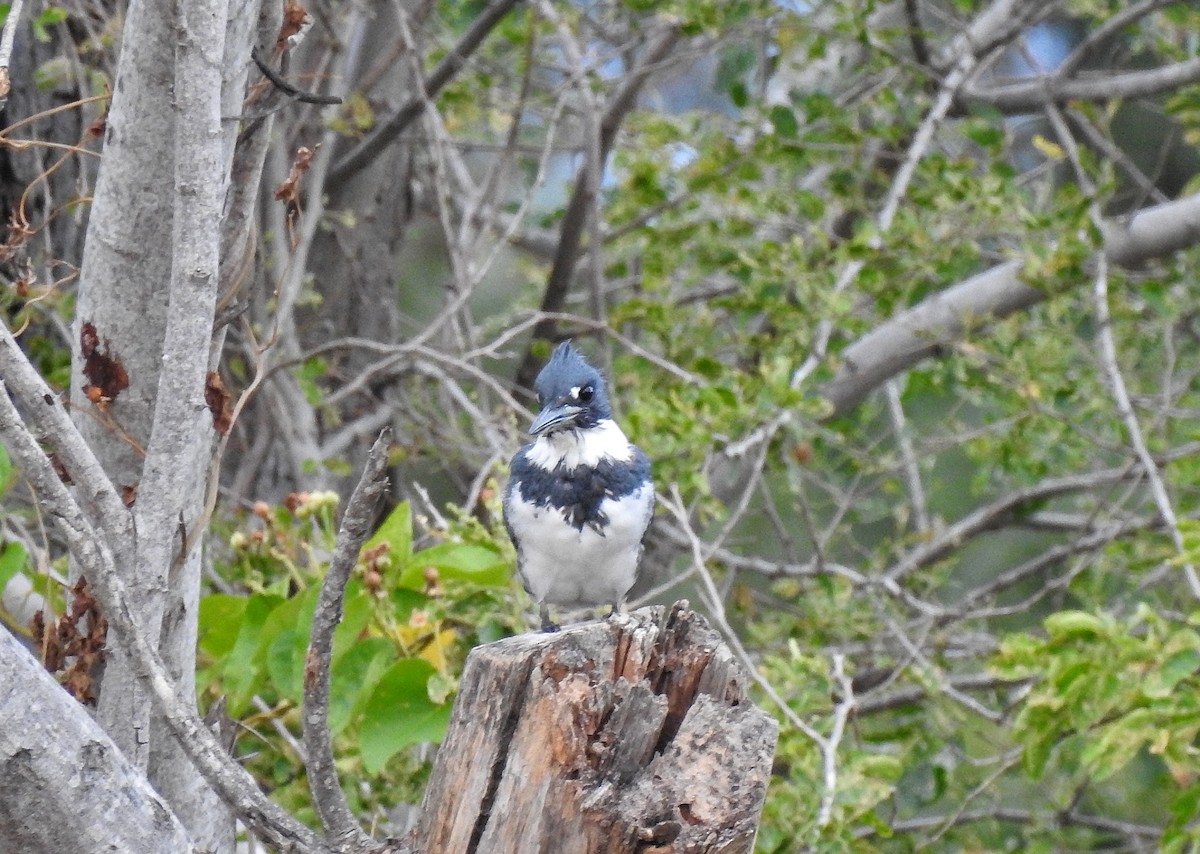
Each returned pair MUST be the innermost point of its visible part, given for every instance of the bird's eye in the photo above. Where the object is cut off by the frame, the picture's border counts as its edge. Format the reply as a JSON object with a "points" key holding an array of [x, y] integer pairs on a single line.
{"points": [[586, 393]]}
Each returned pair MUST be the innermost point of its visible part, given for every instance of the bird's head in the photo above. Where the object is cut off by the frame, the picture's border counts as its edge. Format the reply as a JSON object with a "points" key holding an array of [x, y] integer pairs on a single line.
{"points": [[570, 392]]}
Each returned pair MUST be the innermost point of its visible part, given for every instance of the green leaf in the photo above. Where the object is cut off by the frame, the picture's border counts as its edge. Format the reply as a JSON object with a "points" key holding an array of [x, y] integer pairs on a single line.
{"points": [[1119, 743], [406, 601], [1174, 670], [1067, 624], [49, 17], [356, 613], [220, 623], [6, 470], [307, 375], [241, 670], [397, 532], [284, 642], [739, 94], [784, 121], [285, 663], [461, 561], [13, 559], [983, 131], [294, 613], [400, 714], [354, 677]]}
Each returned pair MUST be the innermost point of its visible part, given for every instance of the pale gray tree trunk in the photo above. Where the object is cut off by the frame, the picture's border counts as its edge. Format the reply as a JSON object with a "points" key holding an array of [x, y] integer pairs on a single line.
{"points": [[123, 292], [57, 756], [148, 286]]}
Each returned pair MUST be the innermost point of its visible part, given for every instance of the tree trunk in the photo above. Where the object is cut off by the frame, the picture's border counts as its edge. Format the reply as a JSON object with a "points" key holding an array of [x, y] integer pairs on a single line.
{"points": [[147, 294], [626, 735], [66, 785]]}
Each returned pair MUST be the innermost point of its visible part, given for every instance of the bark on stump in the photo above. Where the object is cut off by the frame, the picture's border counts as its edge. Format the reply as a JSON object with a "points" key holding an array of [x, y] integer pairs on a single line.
{"points": [[612, 737]]}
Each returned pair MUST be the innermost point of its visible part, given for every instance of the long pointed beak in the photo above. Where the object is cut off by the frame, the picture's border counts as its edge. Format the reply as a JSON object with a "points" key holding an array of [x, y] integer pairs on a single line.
{"points": [[554, 416]]}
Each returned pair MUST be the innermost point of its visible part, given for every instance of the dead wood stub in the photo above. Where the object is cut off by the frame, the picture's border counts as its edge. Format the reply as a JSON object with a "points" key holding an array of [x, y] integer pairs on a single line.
{"points": [[630, 735]]}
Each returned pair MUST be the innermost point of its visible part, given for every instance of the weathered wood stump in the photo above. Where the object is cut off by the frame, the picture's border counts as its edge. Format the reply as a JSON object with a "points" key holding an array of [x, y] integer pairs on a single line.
{"points": [[625, 735]]}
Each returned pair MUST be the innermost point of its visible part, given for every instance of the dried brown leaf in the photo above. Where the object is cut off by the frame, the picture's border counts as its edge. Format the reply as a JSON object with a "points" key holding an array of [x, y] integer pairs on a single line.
{"points": [[219, 402], [102, 367], [288, 192], [73, 645], [295, 21]]}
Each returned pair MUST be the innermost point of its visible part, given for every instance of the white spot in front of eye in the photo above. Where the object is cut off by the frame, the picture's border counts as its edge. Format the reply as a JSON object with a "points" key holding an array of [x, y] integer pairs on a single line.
{"points": [[575, 393]]}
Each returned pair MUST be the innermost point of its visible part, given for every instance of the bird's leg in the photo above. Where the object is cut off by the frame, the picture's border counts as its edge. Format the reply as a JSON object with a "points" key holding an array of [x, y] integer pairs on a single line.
{"points": [[616, 609], [548, 625]]}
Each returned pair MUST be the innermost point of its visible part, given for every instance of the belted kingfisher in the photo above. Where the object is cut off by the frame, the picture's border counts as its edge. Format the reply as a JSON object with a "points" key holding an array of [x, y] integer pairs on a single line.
{"points": [[579, 498]]}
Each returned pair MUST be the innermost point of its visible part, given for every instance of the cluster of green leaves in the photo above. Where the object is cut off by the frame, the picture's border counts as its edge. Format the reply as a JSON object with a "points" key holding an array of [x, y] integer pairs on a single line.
{"points": [[411, 615], [1107, 692]]}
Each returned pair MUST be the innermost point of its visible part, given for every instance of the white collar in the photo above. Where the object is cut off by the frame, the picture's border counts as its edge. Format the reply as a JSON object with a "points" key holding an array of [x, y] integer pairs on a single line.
{"points": [[572, 448]]}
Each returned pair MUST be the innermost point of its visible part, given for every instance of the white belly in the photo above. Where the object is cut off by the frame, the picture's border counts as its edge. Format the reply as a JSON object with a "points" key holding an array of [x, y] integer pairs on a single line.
{"points": [[562, 565]]}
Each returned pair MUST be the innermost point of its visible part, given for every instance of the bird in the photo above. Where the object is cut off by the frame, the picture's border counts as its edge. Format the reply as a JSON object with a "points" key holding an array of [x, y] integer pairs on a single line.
{"points": [[580, 497]]}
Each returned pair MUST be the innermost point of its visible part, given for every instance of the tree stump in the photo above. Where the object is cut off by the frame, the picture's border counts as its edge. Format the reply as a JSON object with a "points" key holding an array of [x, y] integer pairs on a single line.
{"points": [[626, 735]]}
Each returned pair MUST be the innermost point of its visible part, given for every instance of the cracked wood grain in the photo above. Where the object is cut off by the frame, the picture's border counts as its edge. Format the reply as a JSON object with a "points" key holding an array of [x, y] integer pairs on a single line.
{"points": [[617, 736]]}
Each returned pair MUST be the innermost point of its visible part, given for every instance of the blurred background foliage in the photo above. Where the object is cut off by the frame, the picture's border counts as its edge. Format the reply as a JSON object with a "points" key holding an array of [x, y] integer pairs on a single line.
{"points": [[964, 596]]}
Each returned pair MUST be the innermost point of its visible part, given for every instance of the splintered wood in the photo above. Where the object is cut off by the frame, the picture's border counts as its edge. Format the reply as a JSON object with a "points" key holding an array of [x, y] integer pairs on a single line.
{"points": [[625, 735]]}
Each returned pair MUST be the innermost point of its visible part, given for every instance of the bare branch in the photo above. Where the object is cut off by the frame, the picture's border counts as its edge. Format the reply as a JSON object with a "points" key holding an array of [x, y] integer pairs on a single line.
{"points": [[993, 27], [870, 704], [1105, 32], [1038, 92], [1107, 346], [908, 457], [891, 205], [844, 708], [571, 230], [1008, 506], [50, 420], [340, 824], [389, 129], [287, 88]]}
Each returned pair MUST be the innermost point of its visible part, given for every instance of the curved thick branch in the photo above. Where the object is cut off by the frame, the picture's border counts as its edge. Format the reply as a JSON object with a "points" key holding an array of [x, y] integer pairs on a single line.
{"points": [[997, 512], [328, 797], [928, 328]]}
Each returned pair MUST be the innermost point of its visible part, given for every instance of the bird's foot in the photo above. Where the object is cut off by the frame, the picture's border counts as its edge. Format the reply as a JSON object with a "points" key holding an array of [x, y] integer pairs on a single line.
{"points": [[548, 625], [617, 615]]}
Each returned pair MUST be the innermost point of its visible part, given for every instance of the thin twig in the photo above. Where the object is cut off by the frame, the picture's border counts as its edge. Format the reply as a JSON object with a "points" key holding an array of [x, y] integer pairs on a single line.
{"points": [[571, 228], [390, 128], [287, 88], [908, 457], [843, 709], [1107, 347]]}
